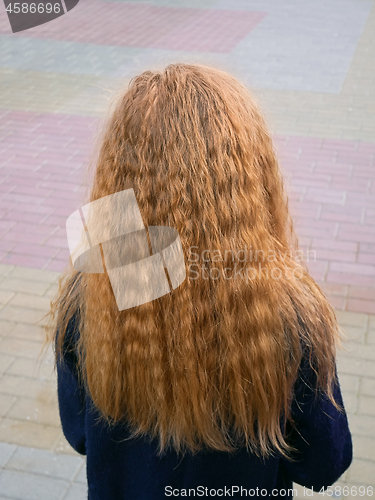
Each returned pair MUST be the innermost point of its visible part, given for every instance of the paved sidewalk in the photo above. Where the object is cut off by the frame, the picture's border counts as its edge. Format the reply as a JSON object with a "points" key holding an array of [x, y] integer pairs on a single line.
{"points": [[311, 65]]}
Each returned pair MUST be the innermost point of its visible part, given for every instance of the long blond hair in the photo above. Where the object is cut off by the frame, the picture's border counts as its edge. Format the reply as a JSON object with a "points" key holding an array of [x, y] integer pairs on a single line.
{"points": [[212, 364]]}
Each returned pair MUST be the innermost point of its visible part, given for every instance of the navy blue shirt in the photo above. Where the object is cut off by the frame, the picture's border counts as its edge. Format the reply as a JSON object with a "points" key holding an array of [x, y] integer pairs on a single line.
{"points": [[120, 468]]}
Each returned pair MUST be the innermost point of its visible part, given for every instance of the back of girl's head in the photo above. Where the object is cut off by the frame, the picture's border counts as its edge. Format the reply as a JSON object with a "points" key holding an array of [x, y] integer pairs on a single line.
{"points": [[214, 362]]}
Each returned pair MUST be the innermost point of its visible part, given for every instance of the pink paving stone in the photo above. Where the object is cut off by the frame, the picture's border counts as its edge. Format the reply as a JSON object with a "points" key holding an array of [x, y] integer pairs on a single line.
{"points": [[304, 242], [350, 279], [339, 217], [340, 267], [362, 293], [311, 183], [63, 254], [315, 232], [66, 204], [308, 177], [334, 289], [359, 236], [300, 211], [56, 265], [38, 250], [354, 158], [57, 242], [312, 223], [36, 239], [25, 216], [362, 198], [337, 302], [6, 246], [211, 31], [334, 255], [367, 247], [363, 306], [369, 220], [346, 227], [55, 220], [32, 191], [318, 269], [366, 258], [60, 232], [149, 26], [321, 195], [336, 144], [347, 208], [22, 198], [25, 260], [28, 208], [354, 185], [6, 225], [37, 229], [64, 210]]}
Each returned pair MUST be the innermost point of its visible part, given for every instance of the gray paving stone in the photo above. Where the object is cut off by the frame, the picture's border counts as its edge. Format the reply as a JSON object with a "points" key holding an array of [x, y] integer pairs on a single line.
{"points": [[307, 46], [44, 462], [81, 476], [6, 451], [362, 425], [24, 486], [76, 491], [66, 57]]}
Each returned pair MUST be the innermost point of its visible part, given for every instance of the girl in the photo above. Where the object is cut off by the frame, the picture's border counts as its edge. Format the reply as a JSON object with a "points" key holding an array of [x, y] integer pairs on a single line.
{"points": [[229, 382]]}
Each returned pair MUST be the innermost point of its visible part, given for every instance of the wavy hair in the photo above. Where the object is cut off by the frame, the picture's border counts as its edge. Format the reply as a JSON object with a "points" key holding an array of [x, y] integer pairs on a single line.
{"points": [[214, 363]]}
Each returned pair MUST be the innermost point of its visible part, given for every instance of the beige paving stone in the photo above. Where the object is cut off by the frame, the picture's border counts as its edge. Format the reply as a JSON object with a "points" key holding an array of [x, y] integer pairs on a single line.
{"points": [[5, 361], [367, 387], [348, 115], [36, 91], [6, 327], [355, 366], [370, 337], [362, 425], [20, 347], [349, 383], [35, 411], [29, 332], [364, 447], [42, 390], [362, 472], [26, 286], [6, 403], [30, 301], [28, 433], [51, 292], [353, 489], [22, 315], [61, 445], [366, 405], [353, 334], [5, 269], [347, 318], [32, 368], [5, 297], [305, 492], [360, 351], [31, 274], [350, 401]]}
